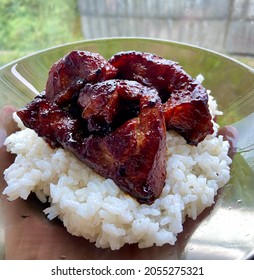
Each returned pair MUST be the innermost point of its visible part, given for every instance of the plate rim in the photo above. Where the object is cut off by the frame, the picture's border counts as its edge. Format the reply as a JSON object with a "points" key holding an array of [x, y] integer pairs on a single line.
{"points": [[147, 39]]}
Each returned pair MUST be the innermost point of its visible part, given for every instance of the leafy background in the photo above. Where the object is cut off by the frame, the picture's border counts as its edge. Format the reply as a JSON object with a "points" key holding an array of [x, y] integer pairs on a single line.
{"points": [[30, 25]]}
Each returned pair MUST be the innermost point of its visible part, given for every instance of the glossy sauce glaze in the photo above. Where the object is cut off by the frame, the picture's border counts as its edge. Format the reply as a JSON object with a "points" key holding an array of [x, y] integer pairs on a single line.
{"points": [[113, 115]]}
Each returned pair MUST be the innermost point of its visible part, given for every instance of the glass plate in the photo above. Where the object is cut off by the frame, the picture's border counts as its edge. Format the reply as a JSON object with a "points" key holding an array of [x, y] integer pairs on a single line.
{"points": [[223, 231]]}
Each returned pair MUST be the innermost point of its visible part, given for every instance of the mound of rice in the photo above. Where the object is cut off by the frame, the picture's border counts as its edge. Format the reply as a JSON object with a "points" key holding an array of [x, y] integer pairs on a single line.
{"points": [[95, 208]]}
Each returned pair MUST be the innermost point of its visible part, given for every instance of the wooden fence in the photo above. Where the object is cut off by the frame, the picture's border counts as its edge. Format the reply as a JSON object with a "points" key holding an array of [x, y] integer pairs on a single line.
{"points": [[222, 25]]}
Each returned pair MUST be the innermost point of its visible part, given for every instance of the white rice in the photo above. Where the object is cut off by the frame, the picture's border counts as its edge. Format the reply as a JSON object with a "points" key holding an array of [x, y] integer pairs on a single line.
{"points": [[95, 208]]}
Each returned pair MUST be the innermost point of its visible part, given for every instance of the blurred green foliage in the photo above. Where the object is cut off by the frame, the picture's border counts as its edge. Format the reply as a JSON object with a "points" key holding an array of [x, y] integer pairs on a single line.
{"points": [[27, 26], [30, 25]]}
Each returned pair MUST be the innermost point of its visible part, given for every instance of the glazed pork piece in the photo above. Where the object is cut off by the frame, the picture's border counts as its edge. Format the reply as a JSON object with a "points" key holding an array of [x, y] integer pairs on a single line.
{"points": [[113, 115], [109, 104], [68, 75], [185, 101]]}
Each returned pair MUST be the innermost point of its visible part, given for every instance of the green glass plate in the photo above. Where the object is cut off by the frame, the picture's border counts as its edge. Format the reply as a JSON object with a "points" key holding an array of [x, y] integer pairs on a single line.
{"points": [[224, 231]]}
